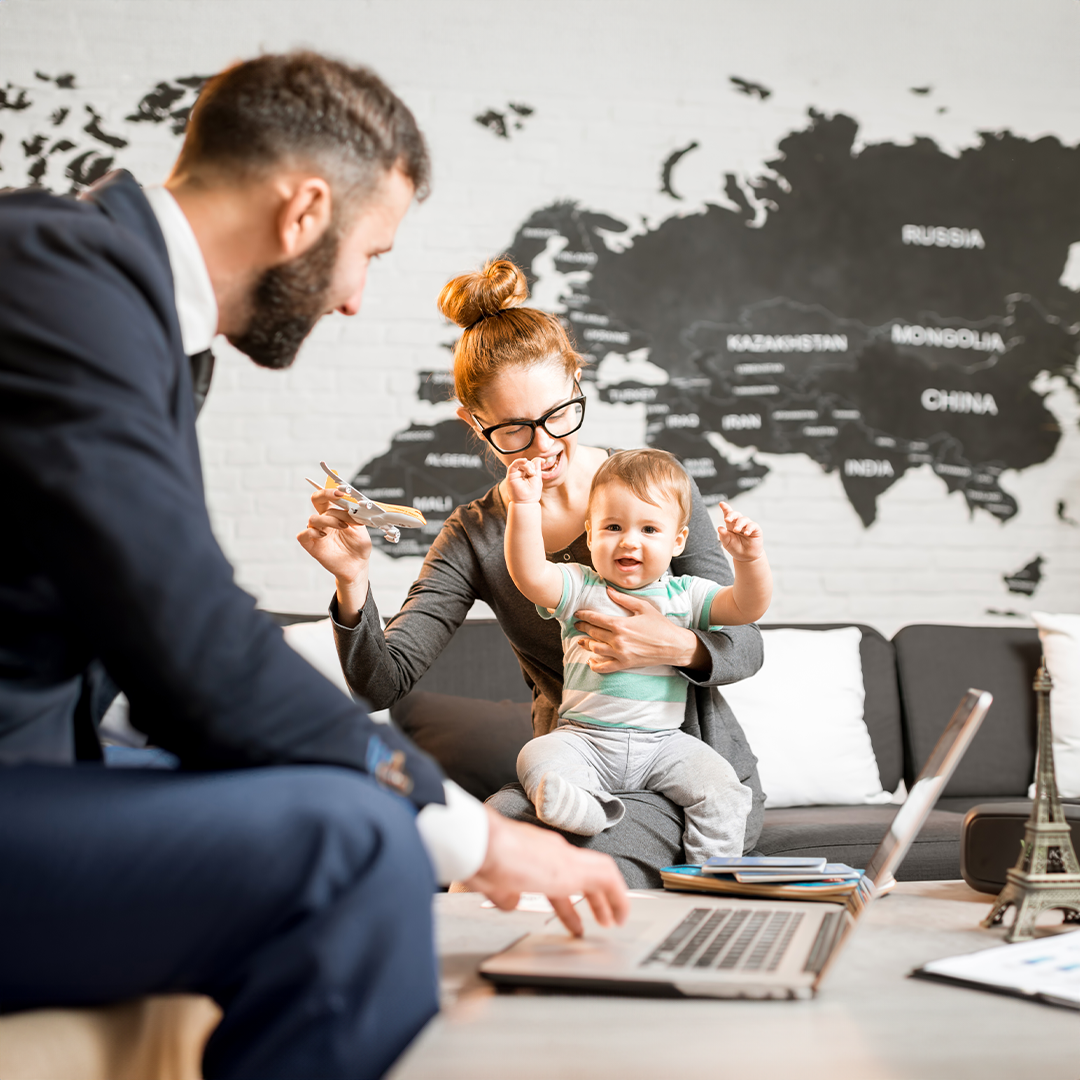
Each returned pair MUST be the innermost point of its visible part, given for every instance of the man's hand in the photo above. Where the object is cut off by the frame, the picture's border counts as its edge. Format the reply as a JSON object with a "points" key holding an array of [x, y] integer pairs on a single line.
{"points": [[522, 858], [643, 638], [740, 537], [524, 483]]}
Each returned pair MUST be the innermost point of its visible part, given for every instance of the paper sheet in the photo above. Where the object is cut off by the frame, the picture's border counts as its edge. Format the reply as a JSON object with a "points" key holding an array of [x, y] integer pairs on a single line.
{"points": [[1047, 968]]}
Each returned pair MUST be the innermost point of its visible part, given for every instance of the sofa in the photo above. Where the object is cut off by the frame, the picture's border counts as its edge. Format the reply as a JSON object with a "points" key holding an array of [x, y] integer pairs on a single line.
{"points": [[471, 712]]}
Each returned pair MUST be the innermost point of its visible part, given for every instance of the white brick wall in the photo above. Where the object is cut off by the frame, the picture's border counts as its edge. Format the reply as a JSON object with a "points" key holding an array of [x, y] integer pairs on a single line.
{"points": [[616, 85]]}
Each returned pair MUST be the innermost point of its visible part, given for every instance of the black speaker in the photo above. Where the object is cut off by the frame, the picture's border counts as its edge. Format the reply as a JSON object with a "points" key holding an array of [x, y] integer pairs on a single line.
{"points": [[991, 838]]}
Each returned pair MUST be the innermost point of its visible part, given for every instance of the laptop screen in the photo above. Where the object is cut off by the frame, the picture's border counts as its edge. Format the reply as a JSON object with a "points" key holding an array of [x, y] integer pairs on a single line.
{"points": [[924, 793]]}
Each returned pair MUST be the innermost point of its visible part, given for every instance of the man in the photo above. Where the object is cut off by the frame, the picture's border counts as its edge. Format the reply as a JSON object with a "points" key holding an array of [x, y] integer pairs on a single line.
{"points": [[296, 893]]}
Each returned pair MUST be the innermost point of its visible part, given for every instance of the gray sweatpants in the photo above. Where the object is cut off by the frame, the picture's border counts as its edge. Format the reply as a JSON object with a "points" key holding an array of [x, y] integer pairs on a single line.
{"points": [[604, 761]]}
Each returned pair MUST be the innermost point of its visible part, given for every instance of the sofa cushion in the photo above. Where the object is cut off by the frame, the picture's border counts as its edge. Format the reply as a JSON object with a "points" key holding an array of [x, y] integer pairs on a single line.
{"points": [[476, 742], [881, 710], [849, 834], [478, 662], [803, 716], [936, 665], [1060, 639], [314, 641]]}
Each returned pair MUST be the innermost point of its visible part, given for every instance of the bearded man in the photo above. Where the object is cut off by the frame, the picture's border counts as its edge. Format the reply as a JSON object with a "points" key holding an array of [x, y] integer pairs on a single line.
{"points": [[283, 869]]}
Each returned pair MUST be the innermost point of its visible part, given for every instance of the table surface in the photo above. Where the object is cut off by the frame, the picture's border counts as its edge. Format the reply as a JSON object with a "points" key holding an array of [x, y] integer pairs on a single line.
{"points": [[868, 1020]]}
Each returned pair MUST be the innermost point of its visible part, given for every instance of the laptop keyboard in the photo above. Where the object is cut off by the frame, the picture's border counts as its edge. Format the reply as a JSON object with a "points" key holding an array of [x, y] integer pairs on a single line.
{"points": [[728, 941]]}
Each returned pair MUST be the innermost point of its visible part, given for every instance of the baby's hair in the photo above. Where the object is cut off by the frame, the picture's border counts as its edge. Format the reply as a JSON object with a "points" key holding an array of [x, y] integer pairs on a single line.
{"points": [[651, 475], [499, 333]]}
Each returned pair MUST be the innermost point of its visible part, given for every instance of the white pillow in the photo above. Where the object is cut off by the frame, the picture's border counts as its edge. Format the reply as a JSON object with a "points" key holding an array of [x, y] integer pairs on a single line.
{"points": [[1060, 637], [314, 641], [803, 715]]}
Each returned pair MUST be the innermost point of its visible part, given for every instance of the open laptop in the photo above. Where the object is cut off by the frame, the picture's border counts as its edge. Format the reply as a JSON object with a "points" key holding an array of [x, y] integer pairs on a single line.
{"points": [[728, 947]]}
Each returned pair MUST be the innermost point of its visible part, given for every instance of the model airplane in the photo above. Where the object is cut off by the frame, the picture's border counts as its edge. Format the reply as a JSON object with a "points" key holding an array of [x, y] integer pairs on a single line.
{"points": [[389, 518]]}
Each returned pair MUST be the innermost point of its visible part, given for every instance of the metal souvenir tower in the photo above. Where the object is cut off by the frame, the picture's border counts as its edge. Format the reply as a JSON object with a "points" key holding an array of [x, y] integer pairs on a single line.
{"points": [[1047, 874]]}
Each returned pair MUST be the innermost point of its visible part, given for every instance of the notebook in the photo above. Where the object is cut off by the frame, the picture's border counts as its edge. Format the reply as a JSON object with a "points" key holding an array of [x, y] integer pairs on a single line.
{"points": [[727, 946]]}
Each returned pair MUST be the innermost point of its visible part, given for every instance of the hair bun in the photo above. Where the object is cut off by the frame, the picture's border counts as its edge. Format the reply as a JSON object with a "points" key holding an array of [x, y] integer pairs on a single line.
{"points": [[472, 297]]}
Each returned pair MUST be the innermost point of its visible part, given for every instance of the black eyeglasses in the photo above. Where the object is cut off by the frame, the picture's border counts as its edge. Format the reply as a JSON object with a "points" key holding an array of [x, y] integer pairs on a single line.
{"points": [[516, 435]]}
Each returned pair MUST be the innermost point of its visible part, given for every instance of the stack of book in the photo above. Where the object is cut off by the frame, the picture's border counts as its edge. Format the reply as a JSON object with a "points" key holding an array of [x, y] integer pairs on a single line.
{"points": [[776, 877]]}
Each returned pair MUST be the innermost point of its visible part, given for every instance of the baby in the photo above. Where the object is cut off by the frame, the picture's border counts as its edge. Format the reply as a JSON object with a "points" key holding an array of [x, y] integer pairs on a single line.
{"points": [[620, 731]]}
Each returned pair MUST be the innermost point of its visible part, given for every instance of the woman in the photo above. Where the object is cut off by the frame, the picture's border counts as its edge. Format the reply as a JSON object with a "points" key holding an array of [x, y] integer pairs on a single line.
{"points": [[517, 376]]}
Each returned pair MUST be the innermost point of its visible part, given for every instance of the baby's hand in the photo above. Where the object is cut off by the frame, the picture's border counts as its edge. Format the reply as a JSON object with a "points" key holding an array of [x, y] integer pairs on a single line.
{"points": [[741, 538], [523, 481]]}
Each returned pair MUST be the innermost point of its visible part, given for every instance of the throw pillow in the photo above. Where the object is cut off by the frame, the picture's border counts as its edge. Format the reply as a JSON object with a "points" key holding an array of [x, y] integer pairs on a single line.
{"points": [[1060, 637], [476, 742], [803, 715], [314, 641]]}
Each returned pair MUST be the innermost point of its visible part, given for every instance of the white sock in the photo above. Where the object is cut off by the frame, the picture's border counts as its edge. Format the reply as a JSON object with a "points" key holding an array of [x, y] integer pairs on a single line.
{"points": [[566, 806]]}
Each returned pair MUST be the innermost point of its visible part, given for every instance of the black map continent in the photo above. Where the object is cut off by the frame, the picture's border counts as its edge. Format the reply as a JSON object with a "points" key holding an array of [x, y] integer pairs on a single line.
{"points": [[875, 309]]}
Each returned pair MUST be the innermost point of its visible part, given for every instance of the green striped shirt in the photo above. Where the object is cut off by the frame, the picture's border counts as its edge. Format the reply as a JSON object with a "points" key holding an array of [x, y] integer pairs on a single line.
{"points": [[648, 698]]}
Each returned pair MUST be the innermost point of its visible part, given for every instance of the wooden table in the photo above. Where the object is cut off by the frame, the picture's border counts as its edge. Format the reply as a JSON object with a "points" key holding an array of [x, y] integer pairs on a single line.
{"points": [[869, 1020]]}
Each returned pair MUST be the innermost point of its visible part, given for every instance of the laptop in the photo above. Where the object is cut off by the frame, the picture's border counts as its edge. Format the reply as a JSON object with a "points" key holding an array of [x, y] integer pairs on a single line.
{"points": [[696, 945]]}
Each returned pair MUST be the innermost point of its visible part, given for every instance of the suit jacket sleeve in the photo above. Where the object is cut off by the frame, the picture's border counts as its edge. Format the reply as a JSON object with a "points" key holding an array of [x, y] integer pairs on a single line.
{"points": [[97, 437]]}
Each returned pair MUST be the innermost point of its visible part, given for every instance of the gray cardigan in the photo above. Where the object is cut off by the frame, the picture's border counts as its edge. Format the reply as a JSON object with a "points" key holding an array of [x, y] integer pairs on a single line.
{"points": [[465, 563]]}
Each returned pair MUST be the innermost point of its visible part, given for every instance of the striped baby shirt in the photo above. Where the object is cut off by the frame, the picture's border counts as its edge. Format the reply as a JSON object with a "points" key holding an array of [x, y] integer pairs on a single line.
{"points": [[645, 699]]}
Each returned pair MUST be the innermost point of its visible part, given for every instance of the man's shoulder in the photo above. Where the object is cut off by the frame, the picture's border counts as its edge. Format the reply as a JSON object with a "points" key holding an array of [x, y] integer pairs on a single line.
{"points": [[31, 209], [107, 235], [93, 281], [113, 223]]}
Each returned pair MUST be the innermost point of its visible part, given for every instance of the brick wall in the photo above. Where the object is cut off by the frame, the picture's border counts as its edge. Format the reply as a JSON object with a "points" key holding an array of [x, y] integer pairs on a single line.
{"points": [[615, 86]]}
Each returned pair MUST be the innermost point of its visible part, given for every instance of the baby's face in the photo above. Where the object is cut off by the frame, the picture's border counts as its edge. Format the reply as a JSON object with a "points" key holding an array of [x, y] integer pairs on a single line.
{"points": [[632, 541]]}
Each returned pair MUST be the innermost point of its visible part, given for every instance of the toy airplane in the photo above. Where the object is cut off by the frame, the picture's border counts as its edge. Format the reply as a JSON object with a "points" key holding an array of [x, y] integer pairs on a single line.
{"points": [[364, 511]]}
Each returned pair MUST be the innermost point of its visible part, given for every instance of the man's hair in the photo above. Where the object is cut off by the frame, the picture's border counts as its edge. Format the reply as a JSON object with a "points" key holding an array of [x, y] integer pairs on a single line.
{"points": [[652, 475], [306, 109]]}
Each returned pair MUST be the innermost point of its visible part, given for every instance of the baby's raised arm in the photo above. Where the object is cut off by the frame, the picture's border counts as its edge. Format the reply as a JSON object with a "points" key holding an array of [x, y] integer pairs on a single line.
{"points": [[748, 599], [523, 545]]}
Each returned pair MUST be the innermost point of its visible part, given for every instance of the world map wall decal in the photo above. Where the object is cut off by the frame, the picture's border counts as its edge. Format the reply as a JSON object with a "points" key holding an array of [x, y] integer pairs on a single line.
{"points": [[875, 310]]}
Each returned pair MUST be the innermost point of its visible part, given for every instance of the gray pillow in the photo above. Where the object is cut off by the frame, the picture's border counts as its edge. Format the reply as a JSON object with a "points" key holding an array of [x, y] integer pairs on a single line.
{"points": [[476, 742]]}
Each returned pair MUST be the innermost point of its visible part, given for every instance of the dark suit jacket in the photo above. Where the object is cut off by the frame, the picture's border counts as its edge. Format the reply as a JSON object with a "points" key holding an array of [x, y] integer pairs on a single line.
{"points": [[106, 551]]}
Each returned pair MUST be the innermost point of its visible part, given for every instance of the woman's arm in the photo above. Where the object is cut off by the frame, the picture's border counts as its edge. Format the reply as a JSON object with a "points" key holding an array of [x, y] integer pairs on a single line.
{"points": [[341, 546], [384, 666]]}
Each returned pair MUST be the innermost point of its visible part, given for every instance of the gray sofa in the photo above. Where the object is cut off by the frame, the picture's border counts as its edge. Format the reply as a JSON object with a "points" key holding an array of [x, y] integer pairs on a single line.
{"points": [[471, 712]]}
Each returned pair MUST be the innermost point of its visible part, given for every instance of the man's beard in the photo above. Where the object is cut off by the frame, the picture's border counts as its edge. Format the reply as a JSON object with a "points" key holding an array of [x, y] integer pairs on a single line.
{"points": [[287, 302]]}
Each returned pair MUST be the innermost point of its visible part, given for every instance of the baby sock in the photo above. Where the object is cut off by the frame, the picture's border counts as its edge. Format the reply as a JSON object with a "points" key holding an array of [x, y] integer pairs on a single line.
{"points": [[566, 806]]}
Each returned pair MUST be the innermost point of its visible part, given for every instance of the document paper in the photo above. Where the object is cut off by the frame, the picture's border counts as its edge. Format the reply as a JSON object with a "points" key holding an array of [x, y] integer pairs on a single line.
{"points": [[1047, 969]]}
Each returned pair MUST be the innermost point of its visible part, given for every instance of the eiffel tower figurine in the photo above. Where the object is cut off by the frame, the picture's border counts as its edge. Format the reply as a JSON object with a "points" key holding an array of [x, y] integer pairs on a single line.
{"points": [[1047, 874]]}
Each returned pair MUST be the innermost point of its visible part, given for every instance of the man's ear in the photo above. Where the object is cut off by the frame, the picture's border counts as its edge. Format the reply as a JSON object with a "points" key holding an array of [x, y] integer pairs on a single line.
{"points": [[303, 214], [680, 540]]}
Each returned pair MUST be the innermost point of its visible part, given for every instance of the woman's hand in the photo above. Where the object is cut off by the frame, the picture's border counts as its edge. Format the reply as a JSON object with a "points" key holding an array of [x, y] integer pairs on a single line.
{"points": [[644, 637], [341, 547]]}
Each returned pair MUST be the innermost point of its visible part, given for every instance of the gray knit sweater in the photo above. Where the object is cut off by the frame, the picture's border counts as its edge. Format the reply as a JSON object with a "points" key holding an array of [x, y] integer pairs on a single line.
{"points": [[465, 563]]}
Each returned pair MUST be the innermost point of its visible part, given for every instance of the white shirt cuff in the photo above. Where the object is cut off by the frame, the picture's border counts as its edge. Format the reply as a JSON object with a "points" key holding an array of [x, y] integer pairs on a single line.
{"points": [[455, 835]]}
